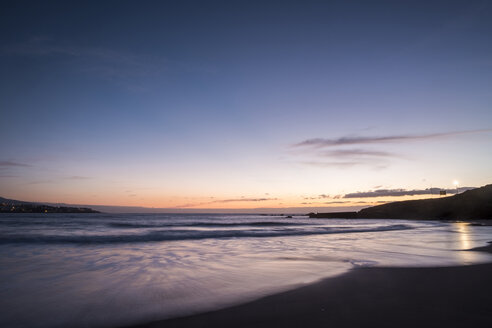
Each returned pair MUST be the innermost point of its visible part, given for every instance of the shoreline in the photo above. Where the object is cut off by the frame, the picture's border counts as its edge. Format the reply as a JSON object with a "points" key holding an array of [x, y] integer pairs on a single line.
{"points": [[454, 296]]}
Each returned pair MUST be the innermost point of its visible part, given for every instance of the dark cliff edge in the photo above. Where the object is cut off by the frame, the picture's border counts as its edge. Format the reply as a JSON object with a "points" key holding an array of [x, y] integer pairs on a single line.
{"points": [[473, 204], [17, 206]]}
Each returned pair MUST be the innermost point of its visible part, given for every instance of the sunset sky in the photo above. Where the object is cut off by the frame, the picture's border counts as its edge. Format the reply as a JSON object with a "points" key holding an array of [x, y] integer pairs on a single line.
{"points": [[243, 104]]}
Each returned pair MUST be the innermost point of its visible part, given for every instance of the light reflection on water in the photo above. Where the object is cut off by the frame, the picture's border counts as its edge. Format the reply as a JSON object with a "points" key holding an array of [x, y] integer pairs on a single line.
{"points": [[464, 234], [49, 285]]}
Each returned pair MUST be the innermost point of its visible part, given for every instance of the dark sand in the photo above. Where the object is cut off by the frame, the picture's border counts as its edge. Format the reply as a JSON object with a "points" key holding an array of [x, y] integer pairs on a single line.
{"points": [[368, 297]]}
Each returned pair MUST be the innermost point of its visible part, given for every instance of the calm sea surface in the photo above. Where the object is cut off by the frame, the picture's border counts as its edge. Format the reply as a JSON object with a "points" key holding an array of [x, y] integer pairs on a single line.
{"points": [[103, 270]]}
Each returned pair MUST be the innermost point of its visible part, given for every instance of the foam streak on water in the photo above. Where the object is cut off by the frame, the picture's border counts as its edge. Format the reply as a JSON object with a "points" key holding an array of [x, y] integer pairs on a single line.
{"points": [[105, 270]]}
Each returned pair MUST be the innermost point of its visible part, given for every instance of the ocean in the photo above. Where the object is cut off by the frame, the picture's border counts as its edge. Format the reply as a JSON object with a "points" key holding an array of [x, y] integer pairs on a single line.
{"points": [[107, 270]]}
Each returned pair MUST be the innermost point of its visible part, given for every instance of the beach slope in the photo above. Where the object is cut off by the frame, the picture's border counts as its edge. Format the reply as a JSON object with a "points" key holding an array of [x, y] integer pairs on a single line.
{"points": [[368, 297]]}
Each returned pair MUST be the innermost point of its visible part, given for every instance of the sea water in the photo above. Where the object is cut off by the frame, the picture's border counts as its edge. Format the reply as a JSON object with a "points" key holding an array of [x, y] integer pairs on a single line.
{"points": [[105, 270]]}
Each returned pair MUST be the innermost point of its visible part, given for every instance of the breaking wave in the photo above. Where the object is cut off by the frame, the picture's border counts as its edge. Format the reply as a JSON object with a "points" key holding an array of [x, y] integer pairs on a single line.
{"points": [[189, 234]]}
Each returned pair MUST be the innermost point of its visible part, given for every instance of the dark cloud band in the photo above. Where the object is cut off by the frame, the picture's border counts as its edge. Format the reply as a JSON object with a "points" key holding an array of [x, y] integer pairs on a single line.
{"points": [[403, 192]]}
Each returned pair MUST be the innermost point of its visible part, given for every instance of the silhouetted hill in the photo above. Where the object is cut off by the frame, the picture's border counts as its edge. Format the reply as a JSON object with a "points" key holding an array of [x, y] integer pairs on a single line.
{"points": [[12, 201], [471, 204], [17, 206]]}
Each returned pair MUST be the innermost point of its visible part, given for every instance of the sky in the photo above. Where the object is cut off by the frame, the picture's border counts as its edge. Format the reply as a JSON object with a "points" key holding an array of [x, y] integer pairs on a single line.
{"points": [[244, 104]]}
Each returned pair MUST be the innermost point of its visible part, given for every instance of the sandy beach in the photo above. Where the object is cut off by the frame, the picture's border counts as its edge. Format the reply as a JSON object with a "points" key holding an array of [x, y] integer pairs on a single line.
{"points": [[459, 296]]}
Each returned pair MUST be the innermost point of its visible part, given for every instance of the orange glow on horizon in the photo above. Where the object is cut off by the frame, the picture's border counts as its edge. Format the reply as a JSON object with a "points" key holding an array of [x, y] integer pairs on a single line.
{"points": [[154, 200]]}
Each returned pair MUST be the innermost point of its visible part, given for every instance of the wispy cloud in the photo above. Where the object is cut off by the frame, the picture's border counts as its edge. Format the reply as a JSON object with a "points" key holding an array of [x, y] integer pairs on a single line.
{"points": [[77, 177], [351, 153], [128, 69], [357, 140], [322, 196], [403, 192], [9, 164], [315, 153], [40, 182], [336, 202], [348, 202], [376, 165], [231, 200], [332, 164], [10, 169], [243, 200], [99, 61]]}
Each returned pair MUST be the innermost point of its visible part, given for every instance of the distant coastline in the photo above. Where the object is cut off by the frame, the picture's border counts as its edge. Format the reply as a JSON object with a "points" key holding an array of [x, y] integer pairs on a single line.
{"points": [[15, 206], [473, 204]]}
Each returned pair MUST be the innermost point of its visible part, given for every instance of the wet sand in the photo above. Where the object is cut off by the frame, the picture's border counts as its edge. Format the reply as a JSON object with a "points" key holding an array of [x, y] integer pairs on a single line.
{"points": [[368, 297]]}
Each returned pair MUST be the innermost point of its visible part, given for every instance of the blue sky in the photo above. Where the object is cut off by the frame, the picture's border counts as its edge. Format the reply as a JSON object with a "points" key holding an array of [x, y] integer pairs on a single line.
{"points": [[165, 103]]}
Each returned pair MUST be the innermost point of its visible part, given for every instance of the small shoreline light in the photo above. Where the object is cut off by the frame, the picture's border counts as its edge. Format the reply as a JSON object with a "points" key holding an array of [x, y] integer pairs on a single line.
{"points": [[456, 183]]}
